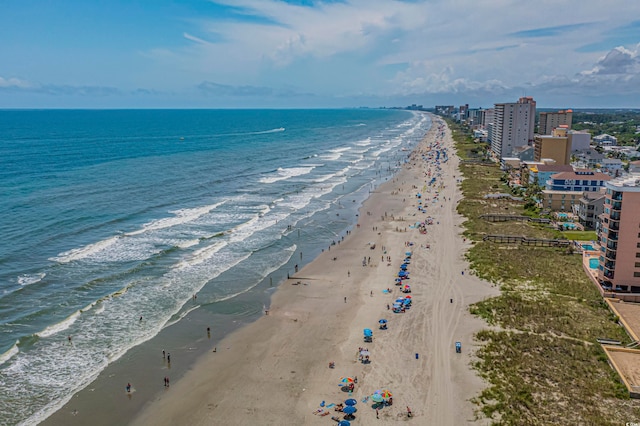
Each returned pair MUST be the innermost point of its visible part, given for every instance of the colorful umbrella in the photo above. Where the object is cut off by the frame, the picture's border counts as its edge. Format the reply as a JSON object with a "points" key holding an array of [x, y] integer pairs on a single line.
{"points": [[376, 397], [385, 394], [346, 381]]}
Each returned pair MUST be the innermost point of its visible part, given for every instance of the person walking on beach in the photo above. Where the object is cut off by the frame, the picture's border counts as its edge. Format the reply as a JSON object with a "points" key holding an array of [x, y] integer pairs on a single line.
{"points": [[169, 358], [345, 299], [128, 387]]}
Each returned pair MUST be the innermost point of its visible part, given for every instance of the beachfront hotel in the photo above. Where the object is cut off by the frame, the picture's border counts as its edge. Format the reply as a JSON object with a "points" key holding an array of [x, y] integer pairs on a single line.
{"points": [[556, 147], [564, 190], [619, 236], [513, 125]]}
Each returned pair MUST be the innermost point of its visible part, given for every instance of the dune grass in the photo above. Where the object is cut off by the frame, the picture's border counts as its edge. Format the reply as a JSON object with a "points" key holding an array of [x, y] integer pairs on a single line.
{"points": [[540, 358]]}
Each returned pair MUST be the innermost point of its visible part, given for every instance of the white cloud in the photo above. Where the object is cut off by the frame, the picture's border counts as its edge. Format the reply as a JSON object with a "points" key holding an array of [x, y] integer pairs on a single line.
{"points": [[14, 83]]}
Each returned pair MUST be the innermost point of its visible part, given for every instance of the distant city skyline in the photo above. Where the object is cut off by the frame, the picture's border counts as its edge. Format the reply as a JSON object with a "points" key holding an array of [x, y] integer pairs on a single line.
{"points": [[318, 54]]}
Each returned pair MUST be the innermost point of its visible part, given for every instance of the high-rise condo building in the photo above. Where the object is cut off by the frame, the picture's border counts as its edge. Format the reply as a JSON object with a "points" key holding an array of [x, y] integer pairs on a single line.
{"points": [[619, 235], [552, 120], [513, 125]]}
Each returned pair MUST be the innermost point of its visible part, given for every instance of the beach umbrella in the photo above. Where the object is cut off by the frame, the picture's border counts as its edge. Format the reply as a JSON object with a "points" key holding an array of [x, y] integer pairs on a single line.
{"points": [[346, 381], [350, 401], [408, 297], [364, 353], [376, 397], [368, 332], [344, 423], [385, 394], [408, 253], [383, 321], [349, 409]]}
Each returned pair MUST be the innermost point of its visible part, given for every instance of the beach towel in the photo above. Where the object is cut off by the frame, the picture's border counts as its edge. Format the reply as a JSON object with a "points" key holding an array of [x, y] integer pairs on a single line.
{"points": [[331, 405]]}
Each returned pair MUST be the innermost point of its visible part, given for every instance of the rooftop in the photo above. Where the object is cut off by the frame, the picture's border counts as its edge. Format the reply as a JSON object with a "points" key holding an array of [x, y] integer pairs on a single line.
{"points": [[582, 176], [631, 181]]}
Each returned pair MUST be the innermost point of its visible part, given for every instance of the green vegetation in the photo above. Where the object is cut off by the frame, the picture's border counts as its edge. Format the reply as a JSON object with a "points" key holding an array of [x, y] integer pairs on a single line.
{"points": [[540, 357], [580, 235], [621, 124]]}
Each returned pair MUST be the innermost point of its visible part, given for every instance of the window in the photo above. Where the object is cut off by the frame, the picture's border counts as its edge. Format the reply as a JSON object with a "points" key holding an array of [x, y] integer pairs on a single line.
{"points": [[637, 265], [637, 254], [636, 274]]}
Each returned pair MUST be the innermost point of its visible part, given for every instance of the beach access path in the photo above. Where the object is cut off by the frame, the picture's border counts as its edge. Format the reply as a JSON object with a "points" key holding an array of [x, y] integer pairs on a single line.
{"points": [[276, 369]]}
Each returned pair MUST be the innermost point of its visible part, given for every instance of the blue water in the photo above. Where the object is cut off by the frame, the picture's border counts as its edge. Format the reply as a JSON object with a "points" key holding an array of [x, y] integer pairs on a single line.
{"points": [[587, 247], [107, 216]]}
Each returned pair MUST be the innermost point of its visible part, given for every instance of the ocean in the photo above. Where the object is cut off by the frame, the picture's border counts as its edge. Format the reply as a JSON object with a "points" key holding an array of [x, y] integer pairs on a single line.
{"points": [[112, 220]]}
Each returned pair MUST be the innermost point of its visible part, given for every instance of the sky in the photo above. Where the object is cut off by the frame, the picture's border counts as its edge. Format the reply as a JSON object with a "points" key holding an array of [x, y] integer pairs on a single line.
{"points": [[318, 54]]}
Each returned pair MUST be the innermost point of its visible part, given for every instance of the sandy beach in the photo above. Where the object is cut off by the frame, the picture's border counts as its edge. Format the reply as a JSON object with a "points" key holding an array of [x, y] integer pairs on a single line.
{"points": [[277, 369]]}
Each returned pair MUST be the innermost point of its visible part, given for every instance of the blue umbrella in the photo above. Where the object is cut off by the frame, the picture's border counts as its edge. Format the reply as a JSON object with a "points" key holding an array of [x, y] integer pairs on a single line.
{"points": [[349, 409], [344, 423], [383, 321], [350, 402], [368, 332], [408, 254]]}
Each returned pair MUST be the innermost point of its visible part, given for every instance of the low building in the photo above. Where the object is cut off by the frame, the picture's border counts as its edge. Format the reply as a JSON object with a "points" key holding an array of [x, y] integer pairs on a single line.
{"points": [[563, 201], [589, 208], [634, 166], [591, 157], [578, 181], [579, 141], [541, 172], [605, 140], [612, 166]]}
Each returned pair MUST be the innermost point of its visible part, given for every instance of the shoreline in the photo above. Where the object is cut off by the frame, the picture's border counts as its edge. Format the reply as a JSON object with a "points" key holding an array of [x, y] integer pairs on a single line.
{"points": [[284, 375], [259, 373]]}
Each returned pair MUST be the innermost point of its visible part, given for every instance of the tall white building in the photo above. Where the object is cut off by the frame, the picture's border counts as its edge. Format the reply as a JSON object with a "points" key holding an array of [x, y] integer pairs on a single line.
{"points": [[513, 125]]}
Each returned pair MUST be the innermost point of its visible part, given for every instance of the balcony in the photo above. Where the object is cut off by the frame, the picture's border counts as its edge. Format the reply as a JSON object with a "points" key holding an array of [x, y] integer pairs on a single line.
{"points": [[612, 236], [616, 205], [609, 254], [614, 226], [612, 245], [614, 216], [617, 196], [610, 265], [609, 274]]}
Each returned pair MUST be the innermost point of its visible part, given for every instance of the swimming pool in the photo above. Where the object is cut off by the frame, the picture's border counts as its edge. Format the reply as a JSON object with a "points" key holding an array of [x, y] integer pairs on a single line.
{"points": [[563, 215], [588, 247], [593, 263]]}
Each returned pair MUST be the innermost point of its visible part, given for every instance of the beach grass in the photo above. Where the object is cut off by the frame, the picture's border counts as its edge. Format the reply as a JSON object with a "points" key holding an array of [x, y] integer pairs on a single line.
{"points": [[540, 357], [580, 235]]}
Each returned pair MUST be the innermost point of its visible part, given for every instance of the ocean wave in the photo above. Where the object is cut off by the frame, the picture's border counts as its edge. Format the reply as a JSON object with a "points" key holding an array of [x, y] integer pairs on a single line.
{"points": [[180, 217], [13, 350], [288, 173], [28, 279], [61, 326], [364, 142], [278, 130], [201, 255], [86, 251]]}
